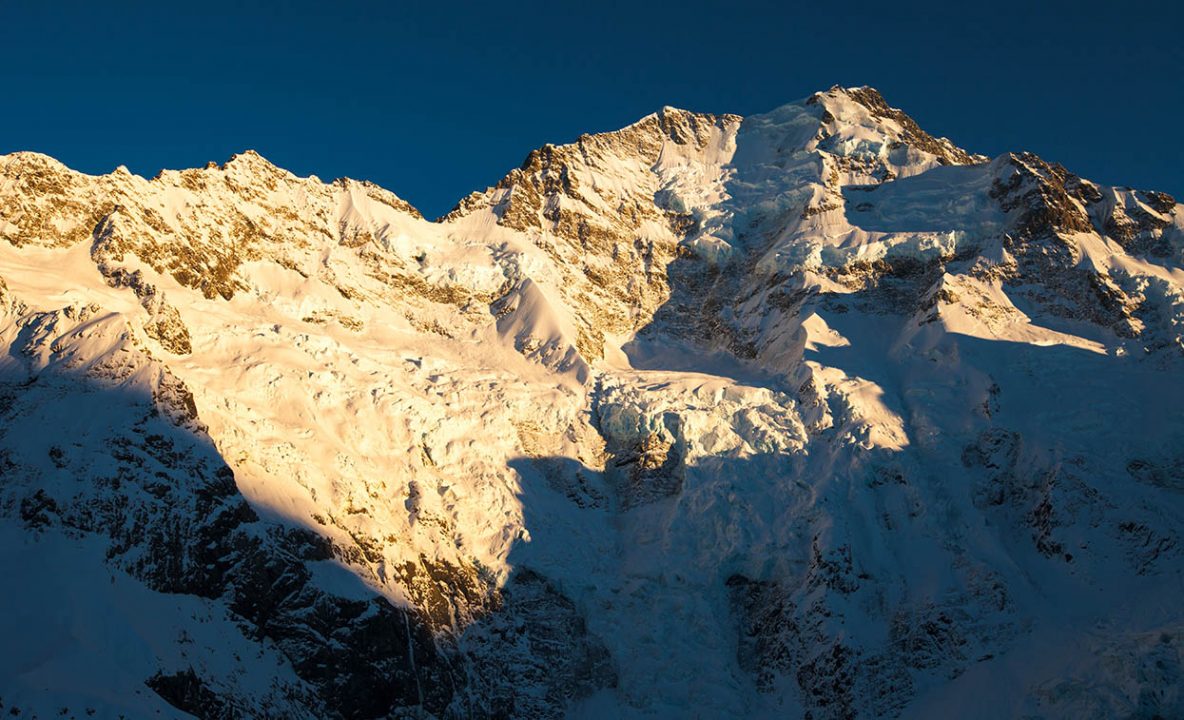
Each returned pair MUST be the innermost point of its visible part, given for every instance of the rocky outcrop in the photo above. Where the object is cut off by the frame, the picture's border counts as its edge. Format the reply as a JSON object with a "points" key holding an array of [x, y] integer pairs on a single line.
{"points": [[911, 133]]}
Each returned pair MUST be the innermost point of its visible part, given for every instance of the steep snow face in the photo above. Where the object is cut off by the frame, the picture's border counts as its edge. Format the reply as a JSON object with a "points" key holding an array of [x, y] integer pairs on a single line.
{"points": [[808, 412]]}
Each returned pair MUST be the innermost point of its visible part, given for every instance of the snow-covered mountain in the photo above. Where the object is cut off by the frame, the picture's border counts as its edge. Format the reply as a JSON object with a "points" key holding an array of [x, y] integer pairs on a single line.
{"points": [[804, 414]]}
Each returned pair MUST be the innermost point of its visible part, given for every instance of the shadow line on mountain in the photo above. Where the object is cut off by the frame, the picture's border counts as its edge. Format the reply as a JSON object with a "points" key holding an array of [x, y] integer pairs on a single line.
{"points": [[83, 454]]}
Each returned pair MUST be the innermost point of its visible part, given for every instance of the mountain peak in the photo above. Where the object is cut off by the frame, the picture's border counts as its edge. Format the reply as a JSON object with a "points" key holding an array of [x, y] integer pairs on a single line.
{"points": [[865, 106], [250, 162], [249, 157], [22, 161]]}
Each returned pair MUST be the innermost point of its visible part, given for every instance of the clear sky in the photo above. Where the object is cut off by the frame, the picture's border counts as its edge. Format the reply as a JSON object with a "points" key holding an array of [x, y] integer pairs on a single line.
{"points": [[435, 99]]}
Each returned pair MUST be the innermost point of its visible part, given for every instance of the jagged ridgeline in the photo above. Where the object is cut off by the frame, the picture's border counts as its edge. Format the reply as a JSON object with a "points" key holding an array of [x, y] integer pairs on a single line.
{"points": [[804, 414]]}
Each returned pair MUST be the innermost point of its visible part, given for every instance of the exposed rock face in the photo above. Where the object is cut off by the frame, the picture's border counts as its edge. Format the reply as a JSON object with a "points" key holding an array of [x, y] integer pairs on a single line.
{"points": [[598, 208], [808, 413]]}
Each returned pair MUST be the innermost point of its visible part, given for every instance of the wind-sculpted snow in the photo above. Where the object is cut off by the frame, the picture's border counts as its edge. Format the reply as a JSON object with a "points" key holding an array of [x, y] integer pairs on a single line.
{"points": [[808, 413]]}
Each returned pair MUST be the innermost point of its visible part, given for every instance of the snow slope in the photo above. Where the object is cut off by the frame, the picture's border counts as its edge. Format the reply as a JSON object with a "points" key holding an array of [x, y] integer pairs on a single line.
{"points": [[803, 414]]}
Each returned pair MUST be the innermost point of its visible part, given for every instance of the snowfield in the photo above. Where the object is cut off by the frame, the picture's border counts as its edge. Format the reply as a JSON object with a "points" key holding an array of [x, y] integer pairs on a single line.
{"points": [[805, 414]]}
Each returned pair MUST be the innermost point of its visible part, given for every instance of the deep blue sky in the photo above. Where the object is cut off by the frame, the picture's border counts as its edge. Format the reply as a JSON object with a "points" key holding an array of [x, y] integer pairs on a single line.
{"points": [[432, 100]]}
